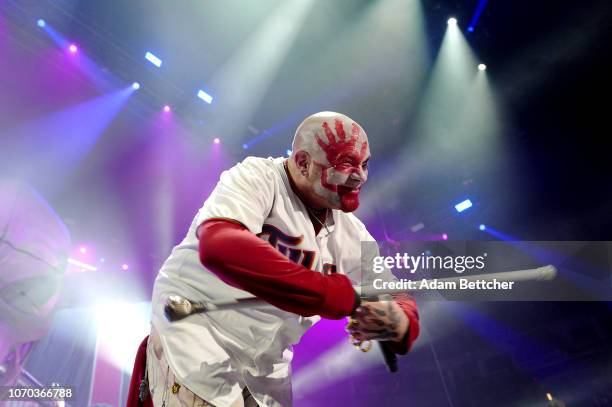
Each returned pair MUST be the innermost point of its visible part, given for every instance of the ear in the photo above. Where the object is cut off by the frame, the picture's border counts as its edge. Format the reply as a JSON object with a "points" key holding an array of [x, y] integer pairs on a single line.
{"points": [[302, 161]]}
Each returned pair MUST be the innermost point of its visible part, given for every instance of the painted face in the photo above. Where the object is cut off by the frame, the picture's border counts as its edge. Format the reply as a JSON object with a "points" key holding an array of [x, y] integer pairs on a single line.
{"points": [[343, 166]]}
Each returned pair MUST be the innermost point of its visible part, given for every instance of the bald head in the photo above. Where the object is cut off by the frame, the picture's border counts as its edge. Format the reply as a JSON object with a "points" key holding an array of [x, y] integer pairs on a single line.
{"points": [[329, 160], [321, 129]]}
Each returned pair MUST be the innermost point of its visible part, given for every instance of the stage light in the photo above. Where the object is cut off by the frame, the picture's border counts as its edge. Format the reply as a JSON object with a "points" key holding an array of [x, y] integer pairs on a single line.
{"points": [[482, 67], [482, 227], [289, 152], [205, 96], [253, 129], [166, 108], [83, 249], [73, 48], [82, 265], [120, 328], [216, 140], [549, 397], [153, 59], [452, 21], [417, 227], [444, 236], [135, 86], [41, 23], [102, 260], [125, 266], [461, 206], [245, 146], [477, 13]]}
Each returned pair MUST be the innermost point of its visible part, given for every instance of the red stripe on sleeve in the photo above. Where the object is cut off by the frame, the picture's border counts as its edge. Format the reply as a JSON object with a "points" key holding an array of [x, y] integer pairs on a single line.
{"points": [[243, 260]]}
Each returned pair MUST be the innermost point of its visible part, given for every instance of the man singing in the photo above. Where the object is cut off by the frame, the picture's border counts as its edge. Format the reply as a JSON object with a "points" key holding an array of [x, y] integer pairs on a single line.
{"points": [[282, 230]]}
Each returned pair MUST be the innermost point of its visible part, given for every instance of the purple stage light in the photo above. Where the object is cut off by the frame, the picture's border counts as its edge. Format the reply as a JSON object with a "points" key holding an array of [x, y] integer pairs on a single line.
{"points": [[444, 236], [83, 249], [81, 266], [216, 140], [125, 267], [166, 108], [73, 48], [41, 23]]}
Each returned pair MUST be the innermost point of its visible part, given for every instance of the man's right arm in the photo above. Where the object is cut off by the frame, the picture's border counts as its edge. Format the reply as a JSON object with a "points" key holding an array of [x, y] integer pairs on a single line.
{"points": [[243, 260]]}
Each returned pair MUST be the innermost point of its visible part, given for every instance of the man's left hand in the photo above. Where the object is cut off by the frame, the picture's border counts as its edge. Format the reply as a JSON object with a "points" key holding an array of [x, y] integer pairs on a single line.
{"points": [[380, 320]]}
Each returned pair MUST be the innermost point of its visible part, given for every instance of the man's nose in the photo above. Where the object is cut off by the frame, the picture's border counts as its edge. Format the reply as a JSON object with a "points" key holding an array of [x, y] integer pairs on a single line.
{"points": [[358, 175]]}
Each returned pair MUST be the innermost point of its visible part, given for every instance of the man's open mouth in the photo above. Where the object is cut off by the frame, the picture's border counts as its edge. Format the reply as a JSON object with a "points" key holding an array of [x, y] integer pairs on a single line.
{"points": [[348, 190]]}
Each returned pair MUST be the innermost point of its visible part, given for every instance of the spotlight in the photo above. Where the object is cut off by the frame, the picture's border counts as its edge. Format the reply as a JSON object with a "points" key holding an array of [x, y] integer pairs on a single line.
{"points": [[135, 86], [120, 326], [289, 152], [444, 236], [245, 146], [482, 227], [102, 260], [166, 108], [216, 140], [82, 265], [73, 48], [549, 397], [205, 96], [41, 23], [471, 29], [482, 67], [417, 227], [83, 249], [153, 59], [452, 21], [461, 206], [125, 266]]}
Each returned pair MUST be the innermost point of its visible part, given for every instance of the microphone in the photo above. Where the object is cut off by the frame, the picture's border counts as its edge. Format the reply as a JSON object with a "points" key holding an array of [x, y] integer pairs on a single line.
{"points": [[389, 356]]}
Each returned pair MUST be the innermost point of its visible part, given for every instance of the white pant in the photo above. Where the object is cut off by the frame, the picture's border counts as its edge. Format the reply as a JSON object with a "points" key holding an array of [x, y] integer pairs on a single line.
{"points": [[165, 390]]}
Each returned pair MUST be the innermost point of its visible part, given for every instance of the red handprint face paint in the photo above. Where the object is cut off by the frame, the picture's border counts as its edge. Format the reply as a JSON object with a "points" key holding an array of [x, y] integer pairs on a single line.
{"points": [[343, 164]]}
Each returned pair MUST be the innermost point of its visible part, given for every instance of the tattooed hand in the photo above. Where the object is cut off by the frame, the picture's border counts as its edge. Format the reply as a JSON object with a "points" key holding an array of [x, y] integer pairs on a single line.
{"points": [[380, 320]]}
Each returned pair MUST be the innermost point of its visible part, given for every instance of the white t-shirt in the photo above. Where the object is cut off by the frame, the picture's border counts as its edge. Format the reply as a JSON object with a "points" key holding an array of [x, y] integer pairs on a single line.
{"points": [[216, 354]]}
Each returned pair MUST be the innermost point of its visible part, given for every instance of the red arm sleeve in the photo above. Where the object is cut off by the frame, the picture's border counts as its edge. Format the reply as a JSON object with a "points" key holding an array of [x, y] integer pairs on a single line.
{"points": [[242, 260], [408, 305]]}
